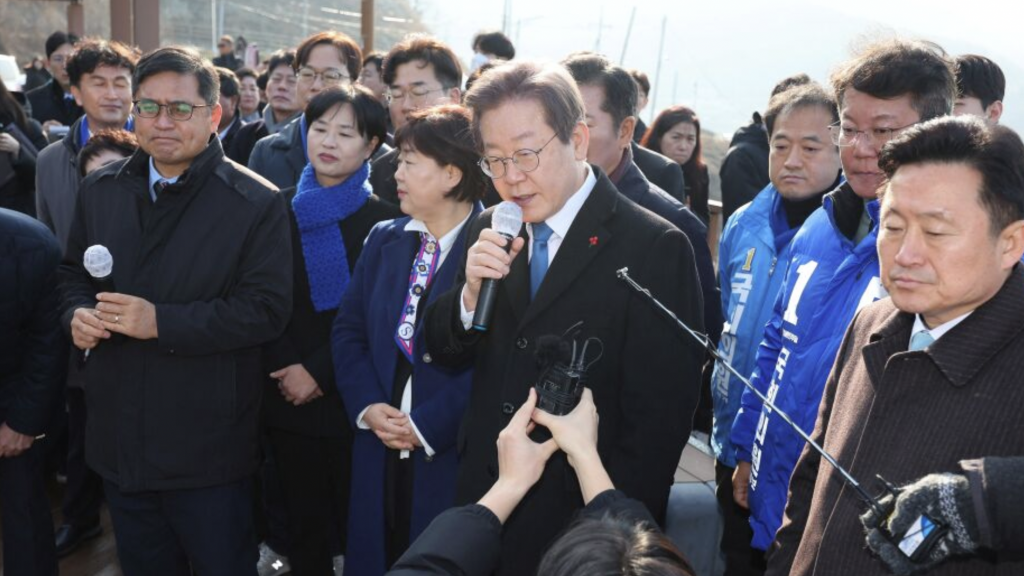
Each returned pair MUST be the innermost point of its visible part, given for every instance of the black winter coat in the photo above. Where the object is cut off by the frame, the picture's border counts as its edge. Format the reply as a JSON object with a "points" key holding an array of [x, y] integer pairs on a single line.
{"points": [[213, 255], [32, 347], [307, 339], [661, 171], [744, 171], [18, 193], [48, 103]]}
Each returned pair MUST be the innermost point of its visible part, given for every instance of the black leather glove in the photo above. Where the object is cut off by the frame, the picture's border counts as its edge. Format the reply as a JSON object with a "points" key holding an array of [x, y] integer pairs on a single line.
{"points": [[946, 499]]}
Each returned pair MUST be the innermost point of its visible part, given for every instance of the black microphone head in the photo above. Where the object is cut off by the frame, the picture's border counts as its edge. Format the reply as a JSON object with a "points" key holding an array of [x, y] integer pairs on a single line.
{"points": [[98, 262], [551, 350], [507, 219]]}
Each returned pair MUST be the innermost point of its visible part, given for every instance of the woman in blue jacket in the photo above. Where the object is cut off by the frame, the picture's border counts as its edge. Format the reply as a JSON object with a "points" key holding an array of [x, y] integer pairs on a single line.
{"points": [[406, 411]]}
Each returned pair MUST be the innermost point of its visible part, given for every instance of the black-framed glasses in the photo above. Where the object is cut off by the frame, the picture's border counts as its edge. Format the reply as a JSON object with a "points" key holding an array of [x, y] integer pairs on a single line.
{"points": [[844, 136], [329, 76], [180, 111], [416, 93], [526, 160]]}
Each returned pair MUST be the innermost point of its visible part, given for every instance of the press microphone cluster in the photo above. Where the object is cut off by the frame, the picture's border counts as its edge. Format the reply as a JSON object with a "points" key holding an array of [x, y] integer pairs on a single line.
{"points": [[506, 220], [916, 544]]}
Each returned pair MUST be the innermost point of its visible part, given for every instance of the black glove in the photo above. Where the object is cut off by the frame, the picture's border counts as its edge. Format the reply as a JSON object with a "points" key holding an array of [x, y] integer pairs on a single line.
{"points": [[946, 499]]}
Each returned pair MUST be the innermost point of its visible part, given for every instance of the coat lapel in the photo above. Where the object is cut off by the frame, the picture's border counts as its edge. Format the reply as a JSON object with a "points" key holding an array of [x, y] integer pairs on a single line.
{"points": [[892, 337], [516, 285], [586, 239]]}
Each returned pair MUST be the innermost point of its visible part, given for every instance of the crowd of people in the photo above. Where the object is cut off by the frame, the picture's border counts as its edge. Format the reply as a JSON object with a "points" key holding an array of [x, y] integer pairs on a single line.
{"points": [[275, 315]]}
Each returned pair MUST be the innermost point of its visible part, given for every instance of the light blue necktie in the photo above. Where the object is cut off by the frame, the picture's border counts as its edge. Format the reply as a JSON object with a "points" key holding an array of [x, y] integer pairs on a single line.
{"points": [[539, 260], [921, 340]]}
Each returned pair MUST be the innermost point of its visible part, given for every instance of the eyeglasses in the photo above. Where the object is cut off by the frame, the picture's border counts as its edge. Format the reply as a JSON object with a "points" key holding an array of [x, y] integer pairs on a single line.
{"points": [[416, 93], [844, 136], [526, 160], [180, 111], [288, 79], [329, 76]]}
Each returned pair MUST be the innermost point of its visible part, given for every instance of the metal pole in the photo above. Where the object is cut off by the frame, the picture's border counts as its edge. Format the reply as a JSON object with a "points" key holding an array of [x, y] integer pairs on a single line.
{"points": [[213, 27], [367, 26], [600, 29], [629, 31], [657, 73], [121, 21]]}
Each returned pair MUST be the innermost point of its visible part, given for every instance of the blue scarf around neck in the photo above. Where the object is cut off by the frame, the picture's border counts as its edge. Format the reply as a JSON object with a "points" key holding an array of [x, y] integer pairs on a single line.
{"points": [[318, 211]]}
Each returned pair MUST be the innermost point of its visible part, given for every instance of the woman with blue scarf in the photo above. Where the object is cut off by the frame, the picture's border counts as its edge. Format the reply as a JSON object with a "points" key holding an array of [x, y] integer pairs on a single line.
{"points": [[332, 211], [406, 409]]}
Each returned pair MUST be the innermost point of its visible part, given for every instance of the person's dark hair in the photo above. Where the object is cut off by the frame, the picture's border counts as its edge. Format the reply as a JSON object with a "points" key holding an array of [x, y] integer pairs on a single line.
{"points": [[612, 545], [10, 108], [798, 97], [58, 39], [375, 58], [179, 60], [981, 78], [280, 58], [476, 74], [246, 72], [117, 140], [665, 121], [92, 53], [641, 80], [494, 42], [370, 116], [442, 133], [620, 94], [894, 68], [996, 153], [424, 50], [547, 84], [229, 83], [790, 82], [348, 50], [261, 81]]}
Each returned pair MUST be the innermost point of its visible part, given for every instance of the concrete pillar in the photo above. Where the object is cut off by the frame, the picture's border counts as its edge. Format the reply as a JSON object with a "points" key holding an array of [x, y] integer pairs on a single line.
{"points": [[147, 24], [76, 18], [121, 21]]}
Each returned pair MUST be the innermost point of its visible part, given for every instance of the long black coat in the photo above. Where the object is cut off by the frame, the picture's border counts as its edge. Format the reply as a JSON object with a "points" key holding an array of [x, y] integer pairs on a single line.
{"points": [[662, 171], [307, 339], [32, 348], [645, 384], [213, 254], [48, 103]]}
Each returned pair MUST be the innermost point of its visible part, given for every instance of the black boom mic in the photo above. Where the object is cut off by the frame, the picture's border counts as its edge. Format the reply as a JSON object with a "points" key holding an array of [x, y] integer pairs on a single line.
{"points": [[506, 220]]}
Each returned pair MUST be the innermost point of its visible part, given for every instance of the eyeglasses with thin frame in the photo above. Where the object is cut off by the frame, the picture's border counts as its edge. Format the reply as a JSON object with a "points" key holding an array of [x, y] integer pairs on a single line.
{"points": [[416, 93], [329, 76], [180, 111], [526, 160], [844, 137]]}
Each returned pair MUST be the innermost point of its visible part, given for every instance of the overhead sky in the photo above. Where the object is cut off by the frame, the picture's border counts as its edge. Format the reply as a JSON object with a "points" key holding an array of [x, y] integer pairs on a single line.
{"points": [[723, 56]]}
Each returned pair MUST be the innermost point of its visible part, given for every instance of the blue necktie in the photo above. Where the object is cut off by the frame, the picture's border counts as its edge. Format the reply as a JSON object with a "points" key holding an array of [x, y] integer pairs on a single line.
{"points": [[921, 340], [539, 260]]}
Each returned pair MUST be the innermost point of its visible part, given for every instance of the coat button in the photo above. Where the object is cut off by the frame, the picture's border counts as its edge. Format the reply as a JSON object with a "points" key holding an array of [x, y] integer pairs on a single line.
{"points": [[522, 343], [508, 408], [427, 359]]}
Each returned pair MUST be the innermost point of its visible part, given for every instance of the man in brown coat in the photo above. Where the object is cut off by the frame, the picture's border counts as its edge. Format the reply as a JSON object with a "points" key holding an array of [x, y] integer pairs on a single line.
{"points": [[926, 388]]}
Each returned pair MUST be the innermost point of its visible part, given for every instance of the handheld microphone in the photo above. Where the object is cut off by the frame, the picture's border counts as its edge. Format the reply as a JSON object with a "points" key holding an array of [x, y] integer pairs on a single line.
{"points": [[100, 265], [506, 220], [916, 543]]}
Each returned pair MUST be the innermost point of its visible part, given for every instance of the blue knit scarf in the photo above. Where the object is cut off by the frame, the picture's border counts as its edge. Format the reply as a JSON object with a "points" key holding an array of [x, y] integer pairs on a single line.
{"points": [[318, 211]]}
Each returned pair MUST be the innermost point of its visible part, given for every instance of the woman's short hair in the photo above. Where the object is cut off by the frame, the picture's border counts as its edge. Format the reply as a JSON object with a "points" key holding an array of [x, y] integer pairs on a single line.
{"points": [[115, 140], [370, 116], [443, 133]]}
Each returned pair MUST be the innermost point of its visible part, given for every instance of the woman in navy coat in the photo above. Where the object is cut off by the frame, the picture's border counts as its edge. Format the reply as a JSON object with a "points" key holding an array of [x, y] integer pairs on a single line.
{"points": [[405, 410]]}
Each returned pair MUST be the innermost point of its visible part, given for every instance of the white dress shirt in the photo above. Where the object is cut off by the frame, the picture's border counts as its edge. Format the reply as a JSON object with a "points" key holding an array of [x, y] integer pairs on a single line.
{"points": [[559, 223], [444, 245]]}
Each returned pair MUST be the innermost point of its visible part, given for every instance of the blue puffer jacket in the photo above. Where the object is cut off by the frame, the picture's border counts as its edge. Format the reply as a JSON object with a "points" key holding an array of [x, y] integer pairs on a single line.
{"points": [[752, 257], [828, 279]]}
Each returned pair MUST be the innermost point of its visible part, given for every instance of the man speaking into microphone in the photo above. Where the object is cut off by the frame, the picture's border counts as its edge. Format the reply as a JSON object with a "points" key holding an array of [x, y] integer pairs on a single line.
{"points": [[560, 273]]}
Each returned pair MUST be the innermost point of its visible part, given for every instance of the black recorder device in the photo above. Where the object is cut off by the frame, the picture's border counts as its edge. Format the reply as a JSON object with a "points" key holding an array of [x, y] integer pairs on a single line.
{"points": [[563, 362]]}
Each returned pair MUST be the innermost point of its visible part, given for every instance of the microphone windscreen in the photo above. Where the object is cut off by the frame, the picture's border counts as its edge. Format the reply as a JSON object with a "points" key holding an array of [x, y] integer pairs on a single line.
{"points": [[98, 262], [507, 219]]}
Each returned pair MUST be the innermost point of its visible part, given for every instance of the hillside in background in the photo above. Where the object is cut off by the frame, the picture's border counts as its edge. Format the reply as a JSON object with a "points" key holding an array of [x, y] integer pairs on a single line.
{"points": [[273, 24]]}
